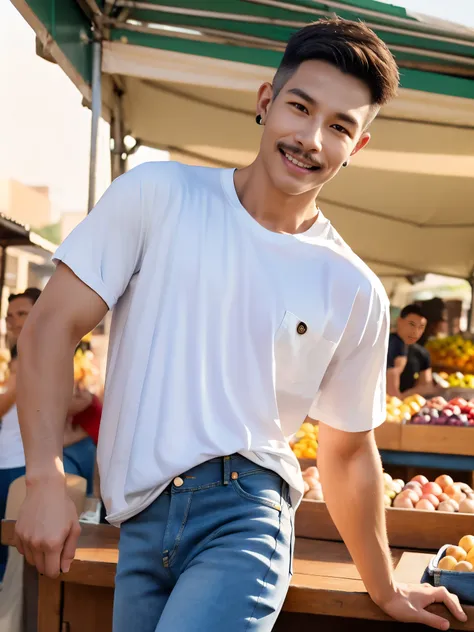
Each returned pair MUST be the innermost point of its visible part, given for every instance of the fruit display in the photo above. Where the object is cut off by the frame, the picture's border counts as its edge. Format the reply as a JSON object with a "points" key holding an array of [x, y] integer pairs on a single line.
{"points": [[85, 370], [443, 494], [439, 412], [459, 557], [457, 380], [400, 411], [312, 486], [305, 442], [454, 352]]}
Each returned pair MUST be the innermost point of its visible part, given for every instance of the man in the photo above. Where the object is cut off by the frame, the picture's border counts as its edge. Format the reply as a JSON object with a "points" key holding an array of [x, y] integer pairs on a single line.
{"points": [[408, 363], [238, 310]]}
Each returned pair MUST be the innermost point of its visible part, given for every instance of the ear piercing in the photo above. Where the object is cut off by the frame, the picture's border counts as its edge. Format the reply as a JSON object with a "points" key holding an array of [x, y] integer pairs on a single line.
{"points": [[258, 119]]}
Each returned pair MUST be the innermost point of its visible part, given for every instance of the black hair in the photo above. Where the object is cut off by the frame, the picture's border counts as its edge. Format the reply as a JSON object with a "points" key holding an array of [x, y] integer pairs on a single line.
{"points": [[414, 308], [350, 46], [31, 293]]}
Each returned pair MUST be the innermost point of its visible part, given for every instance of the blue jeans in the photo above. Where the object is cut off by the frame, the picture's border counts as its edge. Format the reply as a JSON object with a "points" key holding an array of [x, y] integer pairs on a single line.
{"points": [[6, 479], [213, 552], [79, 459]]}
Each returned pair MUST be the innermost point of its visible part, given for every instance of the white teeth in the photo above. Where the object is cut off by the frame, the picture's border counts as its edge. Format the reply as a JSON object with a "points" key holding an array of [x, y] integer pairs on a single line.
{"points": [[297, 162]]}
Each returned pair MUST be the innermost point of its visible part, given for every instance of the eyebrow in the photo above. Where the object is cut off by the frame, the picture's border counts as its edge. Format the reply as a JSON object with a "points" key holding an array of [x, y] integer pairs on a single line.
{"points": [[342, 116]]}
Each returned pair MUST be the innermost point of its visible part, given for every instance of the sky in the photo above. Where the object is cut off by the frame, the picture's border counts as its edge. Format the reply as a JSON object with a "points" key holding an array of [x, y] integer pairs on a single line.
{"points": [[45, 131]]}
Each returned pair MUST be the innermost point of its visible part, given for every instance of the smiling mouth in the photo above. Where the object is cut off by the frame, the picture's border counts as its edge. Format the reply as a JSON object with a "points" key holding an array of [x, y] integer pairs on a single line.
{"points": [[299, 163]]}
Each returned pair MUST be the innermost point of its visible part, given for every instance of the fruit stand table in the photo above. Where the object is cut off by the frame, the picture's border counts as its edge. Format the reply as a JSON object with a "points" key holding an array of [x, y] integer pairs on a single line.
{"points": [[326, 591], [438, 447]]}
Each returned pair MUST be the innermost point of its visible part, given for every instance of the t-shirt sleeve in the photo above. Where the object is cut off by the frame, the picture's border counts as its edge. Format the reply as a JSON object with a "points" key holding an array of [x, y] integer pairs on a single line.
{"points": [[352, 396], [396, 349], [106, 249]]}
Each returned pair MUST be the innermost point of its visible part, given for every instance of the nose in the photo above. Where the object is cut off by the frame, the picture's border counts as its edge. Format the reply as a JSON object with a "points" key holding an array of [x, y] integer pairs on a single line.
{"points": [[310, 136]]}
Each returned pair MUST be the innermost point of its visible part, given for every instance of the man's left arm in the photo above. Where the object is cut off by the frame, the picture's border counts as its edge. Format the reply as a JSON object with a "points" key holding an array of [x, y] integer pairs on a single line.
{"points": [[349, 405], [351, 476]]}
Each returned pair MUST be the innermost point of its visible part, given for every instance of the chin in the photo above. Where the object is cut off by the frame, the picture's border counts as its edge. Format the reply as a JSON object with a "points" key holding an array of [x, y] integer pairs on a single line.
{"points": [[291, 186]]}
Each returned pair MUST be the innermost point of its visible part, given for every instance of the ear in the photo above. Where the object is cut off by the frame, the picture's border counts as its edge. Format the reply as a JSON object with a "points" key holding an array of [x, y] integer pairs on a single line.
{"points": [[264, 99], [361, 143]]}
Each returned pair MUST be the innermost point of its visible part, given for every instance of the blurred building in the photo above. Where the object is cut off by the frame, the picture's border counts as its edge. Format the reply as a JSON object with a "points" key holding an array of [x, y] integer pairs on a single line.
{"points": [[28, 205]]}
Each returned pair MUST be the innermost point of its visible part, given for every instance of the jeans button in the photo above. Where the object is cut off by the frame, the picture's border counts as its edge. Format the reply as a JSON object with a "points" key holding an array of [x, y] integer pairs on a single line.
{"points": [[234, 476], [178, 481]]}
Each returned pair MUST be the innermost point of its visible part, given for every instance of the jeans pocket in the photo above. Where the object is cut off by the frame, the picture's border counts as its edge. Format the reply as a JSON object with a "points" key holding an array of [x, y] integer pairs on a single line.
{"points": [[260, 487]]}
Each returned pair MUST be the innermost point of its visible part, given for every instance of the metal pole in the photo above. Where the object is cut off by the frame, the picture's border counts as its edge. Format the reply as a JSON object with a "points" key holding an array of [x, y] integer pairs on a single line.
{"points": [[119, 164], [96, 112]]}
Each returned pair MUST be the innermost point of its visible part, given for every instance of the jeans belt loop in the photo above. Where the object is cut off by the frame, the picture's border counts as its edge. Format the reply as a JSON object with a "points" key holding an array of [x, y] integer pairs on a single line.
{"points": [[226, 468]]}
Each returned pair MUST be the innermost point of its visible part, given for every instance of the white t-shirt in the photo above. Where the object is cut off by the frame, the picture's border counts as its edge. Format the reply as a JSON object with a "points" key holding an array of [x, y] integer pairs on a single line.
{"points": [[11, 445], [205, 357]]}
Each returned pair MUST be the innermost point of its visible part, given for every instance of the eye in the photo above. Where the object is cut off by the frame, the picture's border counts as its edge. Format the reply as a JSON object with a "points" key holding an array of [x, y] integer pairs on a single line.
{"points": [[300, 107], [340, 129]]}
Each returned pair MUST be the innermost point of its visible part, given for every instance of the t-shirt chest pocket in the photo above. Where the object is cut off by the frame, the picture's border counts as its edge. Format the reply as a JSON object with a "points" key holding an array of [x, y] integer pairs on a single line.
{"points": [[302, 356]]}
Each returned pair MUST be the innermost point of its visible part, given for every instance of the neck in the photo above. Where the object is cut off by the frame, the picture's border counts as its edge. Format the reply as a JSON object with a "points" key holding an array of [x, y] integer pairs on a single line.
{"points": [[270, 207]]}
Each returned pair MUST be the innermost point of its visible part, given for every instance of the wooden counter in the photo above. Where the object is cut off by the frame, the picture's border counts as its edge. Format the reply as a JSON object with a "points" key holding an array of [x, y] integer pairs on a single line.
{"points": [[325, 583]]}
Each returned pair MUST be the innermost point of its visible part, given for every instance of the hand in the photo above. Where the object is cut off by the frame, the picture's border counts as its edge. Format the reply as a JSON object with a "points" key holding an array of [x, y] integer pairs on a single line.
{"points": [[48, 528], [80, 401], [408, 603]]}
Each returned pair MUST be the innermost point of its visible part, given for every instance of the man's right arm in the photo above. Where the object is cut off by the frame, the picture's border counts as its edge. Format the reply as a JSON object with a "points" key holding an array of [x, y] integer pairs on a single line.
{"points": [[47, 527]]}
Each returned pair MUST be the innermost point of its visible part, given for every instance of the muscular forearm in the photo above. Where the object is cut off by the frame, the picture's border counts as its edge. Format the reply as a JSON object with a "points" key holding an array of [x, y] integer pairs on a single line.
{"points": [[44, 390], [353, 489]]}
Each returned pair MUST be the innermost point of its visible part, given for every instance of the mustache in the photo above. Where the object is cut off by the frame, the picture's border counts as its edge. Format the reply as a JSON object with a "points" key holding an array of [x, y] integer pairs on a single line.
{"points": [[298, 153]]}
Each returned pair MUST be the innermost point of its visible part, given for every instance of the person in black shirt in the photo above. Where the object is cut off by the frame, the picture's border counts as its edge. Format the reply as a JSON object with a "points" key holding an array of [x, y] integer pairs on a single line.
{"points": [[408, 363]]}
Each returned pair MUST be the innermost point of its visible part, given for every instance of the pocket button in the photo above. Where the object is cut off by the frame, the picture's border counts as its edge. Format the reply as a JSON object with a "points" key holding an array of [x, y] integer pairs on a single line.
{"points": [[302, 328]]}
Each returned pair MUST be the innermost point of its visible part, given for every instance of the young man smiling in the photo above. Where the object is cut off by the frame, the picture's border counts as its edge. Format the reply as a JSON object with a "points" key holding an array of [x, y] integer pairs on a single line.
{"points": [[238, 311]]}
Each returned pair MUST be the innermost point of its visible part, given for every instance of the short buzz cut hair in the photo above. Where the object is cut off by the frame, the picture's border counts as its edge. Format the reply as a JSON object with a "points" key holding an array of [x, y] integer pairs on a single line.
{"points": [[414, 308], [350, 46]]}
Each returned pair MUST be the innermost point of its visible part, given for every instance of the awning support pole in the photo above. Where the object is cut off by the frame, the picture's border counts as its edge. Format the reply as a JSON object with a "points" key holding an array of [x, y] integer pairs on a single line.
{"points": [[96, 112], [118, 151]]}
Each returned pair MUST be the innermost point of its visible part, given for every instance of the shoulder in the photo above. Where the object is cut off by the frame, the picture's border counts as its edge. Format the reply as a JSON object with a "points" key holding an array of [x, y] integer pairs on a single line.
{"points": [[154, 186], [396, 346], [165, 174]]}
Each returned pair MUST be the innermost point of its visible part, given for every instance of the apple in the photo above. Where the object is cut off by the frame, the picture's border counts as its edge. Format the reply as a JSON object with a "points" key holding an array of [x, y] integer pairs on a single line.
{"points": [[467, 543], [447, 563], [453, 503], [411, 494], [414, 488], [446, 506], [402, 502], [444, 481], [466, 506], [420, 479], [434, 500], [457, 552], [424, 505], [463, 567], [314, 494], [312, 472], [432, 488], [443, 497]]}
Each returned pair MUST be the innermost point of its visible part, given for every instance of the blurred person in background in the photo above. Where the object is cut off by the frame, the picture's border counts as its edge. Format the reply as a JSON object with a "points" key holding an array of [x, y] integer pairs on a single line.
{"points": [[408, 363], [81, 426]]}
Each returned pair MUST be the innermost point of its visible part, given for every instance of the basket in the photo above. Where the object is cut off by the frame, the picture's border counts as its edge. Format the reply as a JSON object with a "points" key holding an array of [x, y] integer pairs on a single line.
{"points": [[460, 584]]}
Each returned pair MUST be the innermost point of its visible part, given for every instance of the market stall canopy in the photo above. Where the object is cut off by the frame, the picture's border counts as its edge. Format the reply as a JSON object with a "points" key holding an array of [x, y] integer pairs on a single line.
{"points": [[185, 74], [13, 233]]}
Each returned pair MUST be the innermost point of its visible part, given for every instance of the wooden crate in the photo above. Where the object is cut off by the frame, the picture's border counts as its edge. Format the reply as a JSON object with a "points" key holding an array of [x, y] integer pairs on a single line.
{"points": [[408, 528], [437, 439], [388, 436]]}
